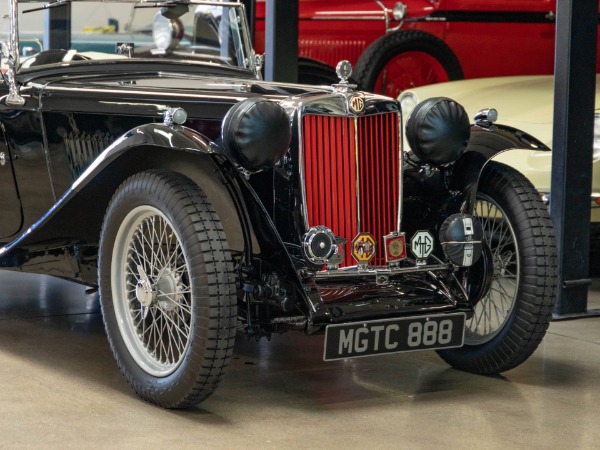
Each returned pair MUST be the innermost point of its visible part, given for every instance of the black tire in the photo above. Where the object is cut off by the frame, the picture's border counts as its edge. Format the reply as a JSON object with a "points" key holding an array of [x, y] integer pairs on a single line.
{"points": [[167, 289], [511, 320], [375, 58], [315, 72]]}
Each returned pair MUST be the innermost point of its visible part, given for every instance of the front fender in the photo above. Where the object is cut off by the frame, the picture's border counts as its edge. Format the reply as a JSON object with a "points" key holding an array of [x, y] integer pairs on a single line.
{"points": [[504, 144], [489, 141], [77, 216], [420, 9]]}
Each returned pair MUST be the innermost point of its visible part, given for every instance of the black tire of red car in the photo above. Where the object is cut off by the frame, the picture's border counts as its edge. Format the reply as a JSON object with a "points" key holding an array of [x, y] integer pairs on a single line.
{"points": [[417, 58], [510, 321], [167, 289]]}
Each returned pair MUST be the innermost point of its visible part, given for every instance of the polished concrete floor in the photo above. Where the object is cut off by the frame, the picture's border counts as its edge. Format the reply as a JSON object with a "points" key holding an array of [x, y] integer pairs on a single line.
{"points": [[59, 388]]}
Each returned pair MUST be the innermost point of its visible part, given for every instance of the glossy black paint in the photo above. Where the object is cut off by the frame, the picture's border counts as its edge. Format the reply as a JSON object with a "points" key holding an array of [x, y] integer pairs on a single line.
{"points": [[489, 141], [87, 127], [68, 121], [11, 223]]}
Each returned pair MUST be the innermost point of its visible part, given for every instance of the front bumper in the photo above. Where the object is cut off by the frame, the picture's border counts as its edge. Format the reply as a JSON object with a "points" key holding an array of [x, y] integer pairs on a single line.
{"points": [[352, 295]]}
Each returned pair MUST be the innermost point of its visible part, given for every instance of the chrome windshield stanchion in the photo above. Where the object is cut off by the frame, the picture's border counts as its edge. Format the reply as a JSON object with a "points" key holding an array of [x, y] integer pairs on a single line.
{"points": [[14, 98]]}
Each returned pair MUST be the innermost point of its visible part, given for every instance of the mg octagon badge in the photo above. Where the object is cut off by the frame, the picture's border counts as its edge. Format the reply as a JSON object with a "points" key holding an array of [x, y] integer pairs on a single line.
{"points": [[363, 248], [421, 245]]}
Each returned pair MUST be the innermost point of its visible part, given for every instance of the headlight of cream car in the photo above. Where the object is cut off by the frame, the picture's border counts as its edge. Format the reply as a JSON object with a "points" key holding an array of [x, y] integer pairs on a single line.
{"points": [[408, 101]]}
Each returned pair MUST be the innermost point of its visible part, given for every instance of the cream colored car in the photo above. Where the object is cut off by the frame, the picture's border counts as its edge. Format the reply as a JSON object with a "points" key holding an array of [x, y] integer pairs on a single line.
{"points": [[525, 103]]}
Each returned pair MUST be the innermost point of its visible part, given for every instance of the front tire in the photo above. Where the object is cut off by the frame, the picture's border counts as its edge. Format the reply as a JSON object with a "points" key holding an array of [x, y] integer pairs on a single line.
{"points": [[510, 321], [167, 289]]}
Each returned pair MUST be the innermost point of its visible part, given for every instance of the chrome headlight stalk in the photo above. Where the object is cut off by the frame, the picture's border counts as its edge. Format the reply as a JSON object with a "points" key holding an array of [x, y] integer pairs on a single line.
{"points": [[396, 14]]}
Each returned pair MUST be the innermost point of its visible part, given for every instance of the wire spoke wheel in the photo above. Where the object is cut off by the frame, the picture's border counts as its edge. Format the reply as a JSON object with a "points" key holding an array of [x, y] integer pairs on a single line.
{"points": [[494, 309], [150, 273], [409, 70], [511, 319], [167, 289]]}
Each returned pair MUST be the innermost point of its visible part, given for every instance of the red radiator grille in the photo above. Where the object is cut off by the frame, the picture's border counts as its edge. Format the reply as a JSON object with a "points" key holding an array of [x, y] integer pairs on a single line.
{"points": [[335, 171]]}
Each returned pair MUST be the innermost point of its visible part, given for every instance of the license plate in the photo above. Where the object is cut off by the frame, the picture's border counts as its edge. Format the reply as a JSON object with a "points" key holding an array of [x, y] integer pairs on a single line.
{"points": [[405, 334]]}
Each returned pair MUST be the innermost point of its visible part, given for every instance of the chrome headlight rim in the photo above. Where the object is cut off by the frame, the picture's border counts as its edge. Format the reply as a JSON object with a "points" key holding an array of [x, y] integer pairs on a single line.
{"points": [[408, 102], [399, 11]]}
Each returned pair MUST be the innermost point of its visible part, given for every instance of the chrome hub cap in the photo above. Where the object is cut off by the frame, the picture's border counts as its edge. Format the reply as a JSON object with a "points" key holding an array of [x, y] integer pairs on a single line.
{"points": [[169, 290]]}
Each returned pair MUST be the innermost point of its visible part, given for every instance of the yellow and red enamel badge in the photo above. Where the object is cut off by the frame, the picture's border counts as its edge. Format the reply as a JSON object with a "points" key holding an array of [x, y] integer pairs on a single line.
{"points": [[363, 248], [395, 247]]}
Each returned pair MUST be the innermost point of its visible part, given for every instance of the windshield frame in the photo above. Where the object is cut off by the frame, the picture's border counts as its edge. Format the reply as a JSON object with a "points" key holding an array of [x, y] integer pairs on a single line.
{"points": [[14, 63]]}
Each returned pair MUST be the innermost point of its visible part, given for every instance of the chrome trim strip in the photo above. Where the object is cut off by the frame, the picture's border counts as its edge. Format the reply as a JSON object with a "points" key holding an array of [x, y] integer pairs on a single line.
{"points": [[385, 15], [124, 90], [346, 18], [373, 271], [400, 171], [357, 158], [154, 3], [301, 171]]}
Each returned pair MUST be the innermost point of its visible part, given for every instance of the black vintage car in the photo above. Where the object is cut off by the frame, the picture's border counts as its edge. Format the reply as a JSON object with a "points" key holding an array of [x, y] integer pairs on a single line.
{"points": [[150, 160]]}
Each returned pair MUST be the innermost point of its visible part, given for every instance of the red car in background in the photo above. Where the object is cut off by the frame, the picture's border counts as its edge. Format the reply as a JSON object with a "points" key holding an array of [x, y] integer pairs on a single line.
{"points": [[399, 45]]}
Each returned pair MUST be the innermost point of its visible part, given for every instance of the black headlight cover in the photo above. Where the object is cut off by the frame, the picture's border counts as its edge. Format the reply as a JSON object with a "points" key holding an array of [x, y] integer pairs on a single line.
{"points": [[256, 133], [438, 130]]}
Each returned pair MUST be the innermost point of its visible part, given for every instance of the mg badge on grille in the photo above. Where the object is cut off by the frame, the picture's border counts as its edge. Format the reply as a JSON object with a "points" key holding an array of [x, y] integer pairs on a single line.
{"points": [[363, 248], [357, 104], [395, 247]]}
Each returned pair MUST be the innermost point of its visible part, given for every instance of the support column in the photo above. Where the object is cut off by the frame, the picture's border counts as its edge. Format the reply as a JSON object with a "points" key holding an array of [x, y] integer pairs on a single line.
{"points": [[281, 41], [57, 27], [574, 95]]}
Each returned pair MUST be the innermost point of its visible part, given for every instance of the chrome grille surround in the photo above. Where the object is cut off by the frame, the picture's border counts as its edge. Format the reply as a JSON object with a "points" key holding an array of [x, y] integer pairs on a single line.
{"points": [[341, 150]]}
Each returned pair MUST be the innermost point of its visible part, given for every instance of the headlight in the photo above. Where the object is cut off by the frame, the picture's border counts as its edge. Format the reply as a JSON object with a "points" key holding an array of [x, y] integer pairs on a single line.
{"points": [[399, 11], [596, 136], [408, 101]]}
